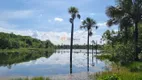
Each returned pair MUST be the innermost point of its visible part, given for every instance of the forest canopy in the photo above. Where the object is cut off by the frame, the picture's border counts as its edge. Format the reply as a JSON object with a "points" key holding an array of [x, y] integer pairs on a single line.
{"points": [[12, 41]]}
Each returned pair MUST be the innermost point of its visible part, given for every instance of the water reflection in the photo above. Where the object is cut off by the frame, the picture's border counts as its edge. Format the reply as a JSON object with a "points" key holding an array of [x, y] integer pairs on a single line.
{"points": [[57, 63], [10, 58]]}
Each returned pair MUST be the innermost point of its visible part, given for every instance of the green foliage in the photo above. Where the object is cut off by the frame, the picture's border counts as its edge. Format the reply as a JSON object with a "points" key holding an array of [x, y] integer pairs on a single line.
{"points": [[12, 41], [124, 53], [126, 14], [104, 57], [111, 77], [121, 73], [120, 48], [134, 66], [38, 78], [76, 46]]}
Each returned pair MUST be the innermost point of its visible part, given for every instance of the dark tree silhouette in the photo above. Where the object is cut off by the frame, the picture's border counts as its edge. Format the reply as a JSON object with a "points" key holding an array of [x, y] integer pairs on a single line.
{"points": [[88, 24], [73, 11]]}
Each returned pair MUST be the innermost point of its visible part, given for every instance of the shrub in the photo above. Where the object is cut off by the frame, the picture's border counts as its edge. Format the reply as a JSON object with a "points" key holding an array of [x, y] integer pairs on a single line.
{"points": [[111, 77]]}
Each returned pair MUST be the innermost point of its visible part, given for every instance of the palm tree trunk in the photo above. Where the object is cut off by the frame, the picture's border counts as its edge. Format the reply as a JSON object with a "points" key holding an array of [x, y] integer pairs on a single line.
{"points": [[136, 41], [71, 44], [96, 48], [92, 56], [88, 52]]}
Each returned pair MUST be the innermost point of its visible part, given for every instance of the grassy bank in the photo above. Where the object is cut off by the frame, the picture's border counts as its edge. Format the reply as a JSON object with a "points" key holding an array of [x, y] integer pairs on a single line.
{"points": [[130, 71]]}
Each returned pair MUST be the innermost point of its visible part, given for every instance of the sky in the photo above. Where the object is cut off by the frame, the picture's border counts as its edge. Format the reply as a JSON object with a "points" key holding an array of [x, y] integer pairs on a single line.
{"points": [[49, 19]]}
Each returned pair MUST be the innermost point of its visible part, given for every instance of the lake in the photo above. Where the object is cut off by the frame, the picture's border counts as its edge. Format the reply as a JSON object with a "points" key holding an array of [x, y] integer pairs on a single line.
{"points": [[56, 64]]}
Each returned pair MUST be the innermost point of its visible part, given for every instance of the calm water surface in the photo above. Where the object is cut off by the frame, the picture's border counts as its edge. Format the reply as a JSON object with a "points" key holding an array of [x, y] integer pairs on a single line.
{"points": [[57, 64]]}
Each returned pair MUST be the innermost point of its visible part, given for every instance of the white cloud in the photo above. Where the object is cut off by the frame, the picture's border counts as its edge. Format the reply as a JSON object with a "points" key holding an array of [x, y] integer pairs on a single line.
{"points": [[102, 24], [58, 19], [116, 30], [80, 37], [81, 20]]}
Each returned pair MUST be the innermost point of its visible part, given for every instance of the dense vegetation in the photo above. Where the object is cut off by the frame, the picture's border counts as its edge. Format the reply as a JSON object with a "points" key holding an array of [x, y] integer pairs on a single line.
{"points": [[123, 47], [12, 41], [16, 49], [127, 14], [79, 46]]}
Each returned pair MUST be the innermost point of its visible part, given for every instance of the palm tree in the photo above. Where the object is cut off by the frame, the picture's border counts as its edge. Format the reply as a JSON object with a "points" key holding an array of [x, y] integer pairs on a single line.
{"points": [[73, 11], [88, 24], [127, 13]]}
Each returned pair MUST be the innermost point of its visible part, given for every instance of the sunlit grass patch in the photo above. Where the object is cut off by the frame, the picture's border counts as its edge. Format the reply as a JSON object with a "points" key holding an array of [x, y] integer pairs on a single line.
{"points": [[121, 73], [103, 57]]}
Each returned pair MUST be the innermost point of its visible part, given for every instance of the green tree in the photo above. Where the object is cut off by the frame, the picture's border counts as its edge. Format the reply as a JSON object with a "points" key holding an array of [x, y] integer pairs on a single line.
{"points": [[73, 11], [88, 24], [126, 13], [12, 41]]}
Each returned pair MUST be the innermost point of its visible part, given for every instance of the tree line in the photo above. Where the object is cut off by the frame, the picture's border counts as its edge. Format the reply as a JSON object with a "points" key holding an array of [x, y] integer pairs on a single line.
{"points": [[98, 46], [12, 41]]}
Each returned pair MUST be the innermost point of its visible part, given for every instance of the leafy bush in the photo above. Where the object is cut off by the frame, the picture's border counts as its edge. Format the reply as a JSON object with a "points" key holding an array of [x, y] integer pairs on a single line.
{"points": [[112, 77], [103, 57], [124, 53], [135, 67]]}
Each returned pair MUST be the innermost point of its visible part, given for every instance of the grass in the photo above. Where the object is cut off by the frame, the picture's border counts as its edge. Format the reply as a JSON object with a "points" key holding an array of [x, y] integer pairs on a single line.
{"points": [[134, 66], [34, 78], [130, 71], [122, 72], [103, 57]]}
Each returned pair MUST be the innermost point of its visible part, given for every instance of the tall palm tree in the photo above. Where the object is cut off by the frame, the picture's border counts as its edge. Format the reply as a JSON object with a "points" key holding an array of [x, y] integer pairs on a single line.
{"points": [[126, 13], [88, 24], [73, 11]]}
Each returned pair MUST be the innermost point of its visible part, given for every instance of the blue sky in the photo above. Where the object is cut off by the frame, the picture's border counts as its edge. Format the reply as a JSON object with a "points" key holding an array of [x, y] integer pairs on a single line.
{"points": [[37, 18]]}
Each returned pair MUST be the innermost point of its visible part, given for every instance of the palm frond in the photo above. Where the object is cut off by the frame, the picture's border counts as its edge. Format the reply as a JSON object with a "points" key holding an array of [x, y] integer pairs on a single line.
{"points": [[88, 20], [71, 20], [88, 23], [109, 22], [73, 10], [93, 42], [83, 27], [96, 27], [114, 12], [84, 22], [73, 16], [125, 22], [78, 16], [90, 33]]}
